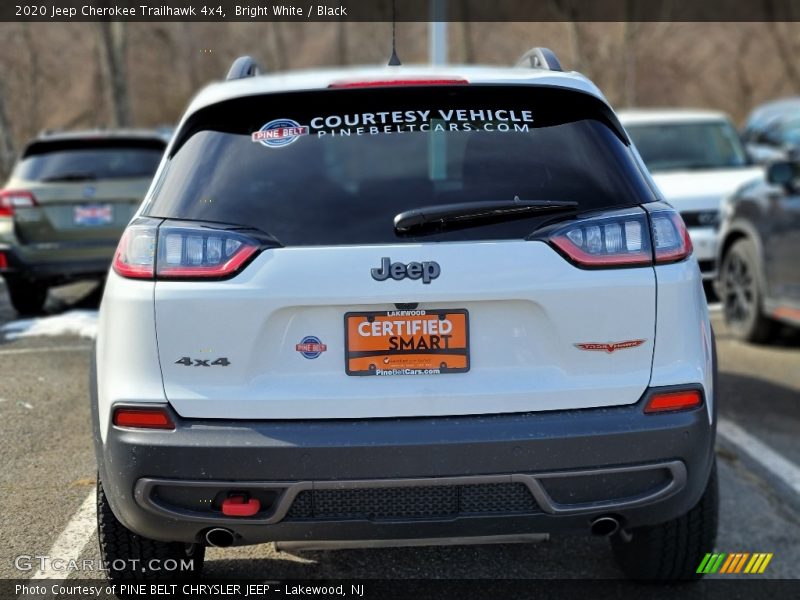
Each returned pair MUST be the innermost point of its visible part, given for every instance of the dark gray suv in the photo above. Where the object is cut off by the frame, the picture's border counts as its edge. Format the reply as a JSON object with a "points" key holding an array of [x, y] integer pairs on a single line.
{"points": [[760, 243]]}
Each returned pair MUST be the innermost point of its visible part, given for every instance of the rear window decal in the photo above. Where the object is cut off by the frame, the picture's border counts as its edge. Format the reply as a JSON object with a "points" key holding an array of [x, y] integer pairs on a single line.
{"points": [[401, 121], [282, 132], [279, 132]]}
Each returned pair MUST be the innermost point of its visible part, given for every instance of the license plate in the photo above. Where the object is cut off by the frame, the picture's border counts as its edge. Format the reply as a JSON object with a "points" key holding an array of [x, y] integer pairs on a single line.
{"points": [[93, 214], [407, 342]]}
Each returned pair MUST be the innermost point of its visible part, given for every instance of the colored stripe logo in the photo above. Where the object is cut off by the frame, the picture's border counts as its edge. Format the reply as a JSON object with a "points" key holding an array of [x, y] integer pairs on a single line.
{"points": [[735, 562]]}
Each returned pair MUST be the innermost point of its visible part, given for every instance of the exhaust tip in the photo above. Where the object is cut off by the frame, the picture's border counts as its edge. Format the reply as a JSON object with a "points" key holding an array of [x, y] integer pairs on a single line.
{"points": [[219, 537], [605, 526]]}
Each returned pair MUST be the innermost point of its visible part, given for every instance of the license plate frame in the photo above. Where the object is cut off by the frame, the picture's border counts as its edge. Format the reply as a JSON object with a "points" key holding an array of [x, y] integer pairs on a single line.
{"points": [[418, 360]]}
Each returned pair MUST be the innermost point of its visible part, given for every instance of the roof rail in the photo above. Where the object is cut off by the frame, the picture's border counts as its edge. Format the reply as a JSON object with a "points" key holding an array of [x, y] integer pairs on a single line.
{"points": [[244, 66], [539, 58]]}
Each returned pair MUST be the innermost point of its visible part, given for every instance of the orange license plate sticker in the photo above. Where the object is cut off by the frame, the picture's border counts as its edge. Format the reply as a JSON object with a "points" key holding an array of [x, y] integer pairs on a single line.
{"points": [[407, 342]]}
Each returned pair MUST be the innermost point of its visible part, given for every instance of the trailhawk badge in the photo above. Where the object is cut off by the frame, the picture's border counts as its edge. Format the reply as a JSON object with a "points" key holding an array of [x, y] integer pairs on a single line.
{"points": [[279, 133], [610, 346]]}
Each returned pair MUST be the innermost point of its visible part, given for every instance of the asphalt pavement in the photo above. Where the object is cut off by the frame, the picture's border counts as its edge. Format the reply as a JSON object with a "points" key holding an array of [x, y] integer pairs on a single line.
{"points": [[48, 474]]}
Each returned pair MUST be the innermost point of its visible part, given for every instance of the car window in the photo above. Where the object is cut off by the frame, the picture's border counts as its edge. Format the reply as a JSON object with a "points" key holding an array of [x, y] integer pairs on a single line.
{"points": [[335, 167], [678, 146], [88, 160]]}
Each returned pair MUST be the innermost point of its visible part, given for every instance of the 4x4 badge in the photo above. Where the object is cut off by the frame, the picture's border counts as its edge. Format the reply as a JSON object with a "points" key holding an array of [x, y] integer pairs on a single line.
{"points": [[427, 271]]}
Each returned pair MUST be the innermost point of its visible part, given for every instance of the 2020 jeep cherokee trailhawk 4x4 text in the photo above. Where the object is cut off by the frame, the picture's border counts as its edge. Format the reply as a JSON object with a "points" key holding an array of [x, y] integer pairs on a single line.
{"points": [[402, 304]]}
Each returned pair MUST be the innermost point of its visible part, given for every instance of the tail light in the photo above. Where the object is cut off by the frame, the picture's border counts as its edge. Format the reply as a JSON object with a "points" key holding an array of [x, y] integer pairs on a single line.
{"points": [[143, 418], [191, 252], [671, 401], [624, 238], [670, 237], [13, 199], [136, 252], [147, 251], [613, 240]]}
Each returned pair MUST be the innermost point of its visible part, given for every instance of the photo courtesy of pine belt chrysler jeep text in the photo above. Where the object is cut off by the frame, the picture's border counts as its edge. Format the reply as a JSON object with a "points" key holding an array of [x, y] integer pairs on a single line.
{"points": [[406, 303]]}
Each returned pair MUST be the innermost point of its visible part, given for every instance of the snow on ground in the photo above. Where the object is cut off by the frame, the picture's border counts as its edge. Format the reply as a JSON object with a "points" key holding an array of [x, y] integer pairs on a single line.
{"points": [[82, 323]]}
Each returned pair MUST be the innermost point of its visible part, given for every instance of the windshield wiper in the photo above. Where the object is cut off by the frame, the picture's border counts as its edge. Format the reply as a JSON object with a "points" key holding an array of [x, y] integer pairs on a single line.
{"points": [[460, 215], [70, 177]]}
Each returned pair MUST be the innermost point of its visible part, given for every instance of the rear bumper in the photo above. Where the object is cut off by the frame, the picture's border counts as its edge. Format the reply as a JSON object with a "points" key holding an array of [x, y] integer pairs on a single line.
{"points": [[409, 478], [58, 263]]}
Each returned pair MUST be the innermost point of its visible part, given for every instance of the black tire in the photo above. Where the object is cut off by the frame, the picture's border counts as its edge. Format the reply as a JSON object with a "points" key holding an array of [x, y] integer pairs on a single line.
{"points": [[26, 297], [742, 296], [671, 551], [131, 557]]}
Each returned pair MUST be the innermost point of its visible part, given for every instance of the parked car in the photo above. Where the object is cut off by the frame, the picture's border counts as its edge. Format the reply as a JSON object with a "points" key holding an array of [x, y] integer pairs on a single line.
{"points": [[772, 131], [696, 159], [759, 280], [404, 303], [65, 205]]}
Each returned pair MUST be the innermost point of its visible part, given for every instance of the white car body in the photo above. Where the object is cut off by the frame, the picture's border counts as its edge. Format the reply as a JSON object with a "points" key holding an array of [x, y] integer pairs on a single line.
{"points": [[567, 354]]}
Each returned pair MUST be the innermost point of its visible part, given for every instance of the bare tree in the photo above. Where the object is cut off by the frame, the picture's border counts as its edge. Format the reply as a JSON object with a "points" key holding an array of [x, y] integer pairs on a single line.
{"points": [[7, 151], [34, 73], [567, 14], [467, 45], [113, 37], [341, 42]]}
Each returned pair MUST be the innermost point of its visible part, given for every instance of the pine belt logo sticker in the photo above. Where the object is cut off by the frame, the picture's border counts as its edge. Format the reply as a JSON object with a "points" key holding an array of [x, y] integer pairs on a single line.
{"points": [[310, 347], [279, 133], [735, 563]]}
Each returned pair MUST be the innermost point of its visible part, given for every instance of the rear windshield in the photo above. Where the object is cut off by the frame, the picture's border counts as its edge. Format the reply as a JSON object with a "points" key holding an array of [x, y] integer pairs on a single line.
{"points": [[335, 166], [688, 146], [89, 160]]}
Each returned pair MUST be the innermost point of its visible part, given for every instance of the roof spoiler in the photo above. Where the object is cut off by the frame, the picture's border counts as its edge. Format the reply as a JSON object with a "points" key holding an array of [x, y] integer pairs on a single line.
{"points": [[539, 58], [244, 66]]}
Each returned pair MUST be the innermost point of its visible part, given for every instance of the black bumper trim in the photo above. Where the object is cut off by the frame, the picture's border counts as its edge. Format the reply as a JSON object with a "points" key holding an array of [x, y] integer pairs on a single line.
{"points": [[288, 491]]}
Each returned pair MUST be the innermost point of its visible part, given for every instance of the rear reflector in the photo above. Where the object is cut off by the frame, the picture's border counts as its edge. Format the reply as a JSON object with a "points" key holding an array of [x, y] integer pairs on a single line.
{"points": [[670, 401], [396, 83], [3, 261], [143, 418]]}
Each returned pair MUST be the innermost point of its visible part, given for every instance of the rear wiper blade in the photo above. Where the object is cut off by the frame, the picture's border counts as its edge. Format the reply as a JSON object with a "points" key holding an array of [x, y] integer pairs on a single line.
{"points": [[70, 177], [469, 214]]}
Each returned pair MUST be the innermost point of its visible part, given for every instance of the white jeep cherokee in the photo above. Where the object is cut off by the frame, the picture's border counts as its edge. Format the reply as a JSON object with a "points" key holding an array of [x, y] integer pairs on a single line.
{"points": [[404, 303]]}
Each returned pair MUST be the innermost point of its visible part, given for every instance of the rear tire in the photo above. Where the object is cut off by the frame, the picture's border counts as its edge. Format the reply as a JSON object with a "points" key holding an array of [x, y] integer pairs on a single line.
{"points": [[742, 296], [26, 297], [672, 550], [135, 555]]}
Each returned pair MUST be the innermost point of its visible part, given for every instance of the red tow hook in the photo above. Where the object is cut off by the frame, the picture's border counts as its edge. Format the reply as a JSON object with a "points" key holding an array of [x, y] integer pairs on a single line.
{"points": [[240, 506]]}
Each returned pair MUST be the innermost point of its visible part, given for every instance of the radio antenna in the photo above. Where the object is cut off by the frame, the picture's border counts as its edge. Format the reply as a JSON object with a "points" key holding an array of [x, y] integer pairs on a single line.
{"points": [[394, 60]]}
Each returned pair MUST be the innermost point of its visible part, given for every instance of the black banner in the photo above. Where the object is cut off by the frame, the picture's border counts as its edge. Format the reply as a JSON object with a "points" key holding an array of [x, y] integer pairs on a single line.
{"points": [[400, 10], [732, 588]]}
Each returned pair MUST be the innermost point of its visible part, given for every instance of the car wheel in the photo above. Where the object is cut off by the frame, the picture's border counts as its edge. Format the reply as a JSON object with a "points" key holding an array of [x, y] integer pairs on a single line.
{"points": [[671, 550], [131, 557], [742, 295], [26, 297]]}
